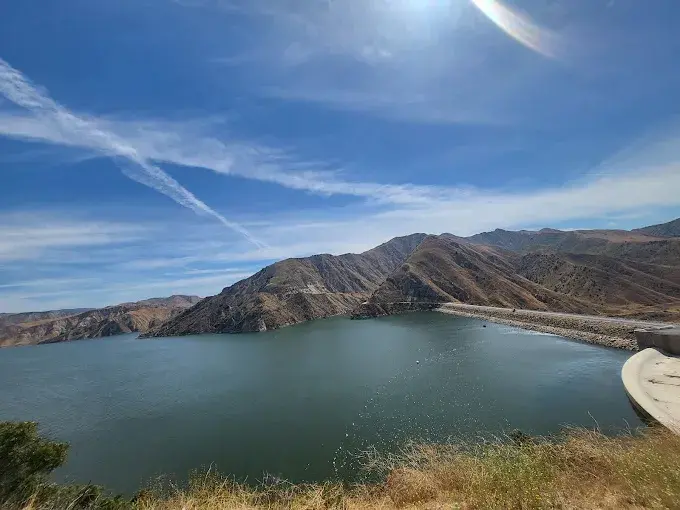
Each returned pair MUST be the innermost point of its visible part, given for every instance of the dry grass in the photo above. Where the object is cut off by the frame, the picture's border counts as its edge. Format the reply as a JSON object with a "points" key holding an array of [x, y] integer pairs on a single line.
{"points": [[582, 469]]}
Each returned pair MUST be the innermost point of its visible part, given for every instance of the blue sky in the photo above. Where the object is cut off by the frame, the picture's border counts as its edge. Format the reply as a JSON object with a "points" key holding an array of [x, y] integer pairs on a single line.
{"points": [[151, 147]]}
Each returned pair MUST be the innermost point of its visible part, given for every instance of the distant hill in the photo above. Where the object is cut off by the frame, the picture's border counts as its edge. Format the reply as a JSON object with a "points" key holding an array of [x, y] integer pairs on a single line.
{"points": [[576, 241], [11, 319], [670, 229], [61, 325]]}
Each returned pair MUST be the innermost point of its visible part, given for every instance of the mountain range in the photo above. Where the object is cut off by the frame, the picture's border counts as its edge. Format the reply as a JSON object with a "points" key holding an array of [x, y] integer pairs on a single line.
{"points": [[622, 273], [608, 272]]}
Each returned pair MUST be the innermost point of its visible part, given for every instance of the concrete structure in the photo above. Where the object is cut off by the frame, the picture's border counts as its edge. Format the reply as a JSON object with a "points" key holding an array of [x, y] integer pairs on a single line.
{"points": [[652, 381], [666, 338]]}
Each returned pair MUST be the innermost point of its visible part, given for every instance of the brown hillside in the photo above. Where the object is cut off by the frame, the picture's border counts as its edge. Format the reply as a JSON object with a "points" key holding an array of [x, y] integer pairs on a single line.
{"points": [[603, 280], [443, 269]]}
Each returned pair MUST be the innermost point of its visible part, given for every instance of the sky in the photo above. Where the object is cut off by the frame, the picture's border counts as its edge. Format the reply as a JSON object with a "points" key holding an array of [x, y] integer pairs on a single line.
{"points": [[158, 147]]}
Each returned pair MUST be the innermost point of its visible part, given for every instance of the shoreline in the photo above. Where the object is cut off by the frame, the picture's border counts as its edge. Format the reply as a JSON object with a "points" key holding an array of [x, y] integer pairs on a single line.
{"points": [[592, 331]]}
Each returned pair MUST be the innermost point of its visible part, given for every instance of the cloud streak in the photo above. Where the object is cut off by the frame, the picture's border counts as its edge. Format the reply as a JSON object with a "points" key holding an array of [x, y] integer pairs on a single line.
{"points": [[104, 293], [182, 146], [648, 167], [26, 238], [20, 91]]}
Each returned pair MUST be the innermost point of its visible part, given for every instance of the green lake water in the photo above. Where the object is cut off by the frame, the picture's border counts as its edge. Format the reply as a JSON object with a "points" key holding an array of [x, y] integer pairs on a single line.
{"points": [[299, 402]]}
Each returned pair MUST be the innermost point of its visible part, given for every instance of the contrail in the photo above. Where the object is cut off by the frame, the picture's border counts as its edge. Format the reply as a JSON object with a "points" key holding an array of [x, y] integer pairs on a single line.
{"points": [[19, 90], [519, 27]]}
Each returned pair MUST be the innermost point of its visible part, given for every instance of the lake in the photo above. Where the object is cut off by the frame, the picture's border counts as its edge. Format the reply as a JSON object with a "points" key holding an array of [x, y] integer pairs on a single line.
{"points": [[298, 402]]}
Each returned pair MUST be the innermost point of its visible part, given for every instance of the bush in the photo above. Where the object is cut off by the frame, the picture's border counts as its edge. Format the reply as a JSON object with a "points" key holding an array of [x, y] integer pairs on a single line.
{"points": [[26, 460]]}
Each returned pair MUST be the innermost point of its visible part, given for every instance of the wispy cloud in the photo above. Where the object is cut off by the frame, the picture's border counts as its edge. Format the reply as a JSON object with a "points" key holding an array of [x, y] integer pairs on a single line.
{"points": [[19, 90], [380, 30], [423, 104], [425, 61], [47, 282], [183, 145], [644, 173], [614, 191], [369, 32], [25, 237], [39, 296]]}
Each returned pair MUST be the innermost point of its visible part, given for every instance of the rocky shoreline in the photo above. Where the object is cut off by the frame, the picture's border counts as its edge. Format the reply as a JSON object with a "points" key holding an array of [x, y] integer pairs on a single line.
{"points": [[590, 330]]}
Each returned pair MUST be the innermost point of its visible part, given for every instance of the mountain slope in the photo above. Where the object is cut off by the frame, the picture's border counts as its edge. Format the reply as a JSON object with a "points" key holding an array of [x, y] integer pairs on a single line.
{"points": [[112, 320], [669, 229], [293, 291], [443, 269], [446, 269], [603, 280]]}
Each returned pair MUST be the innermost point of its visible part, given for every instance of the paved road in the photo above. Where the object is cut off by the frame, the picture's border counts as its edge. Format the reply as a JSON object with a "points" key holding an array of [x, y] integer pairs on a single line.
{"points": [[635, 323]]}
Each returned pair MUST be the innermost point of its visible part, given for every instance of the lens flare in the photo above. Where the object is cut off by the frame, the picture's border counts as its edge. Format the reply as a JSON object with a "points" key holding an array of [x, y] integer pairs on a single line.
{"points": [[519, 27]]}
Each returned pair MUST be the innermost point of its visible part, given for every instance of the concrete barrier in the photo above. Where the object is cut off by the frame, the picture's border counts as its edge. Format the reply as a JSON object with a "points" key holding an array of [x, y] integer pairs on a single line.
{"points": [[666, 338], [650, 378]]}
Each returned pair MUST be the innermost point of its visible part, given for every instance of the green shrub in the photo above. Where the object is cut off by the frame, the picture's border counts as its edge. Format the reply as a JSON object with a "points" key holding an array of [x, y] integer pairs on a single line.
{"points": [[25, 460]]}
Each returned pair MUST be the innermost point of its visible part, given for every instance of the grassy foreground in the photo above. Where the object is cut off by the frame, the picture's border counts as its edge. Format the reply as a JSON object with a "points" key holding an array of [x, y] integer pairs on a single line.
{"points": [[580, 469]]}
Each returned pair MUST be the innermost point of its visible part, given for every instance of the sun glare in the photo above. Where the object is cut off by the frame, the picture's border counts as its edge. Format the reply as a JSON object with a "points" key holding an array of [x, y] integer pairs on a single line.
{"points": [[518, 26]]}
